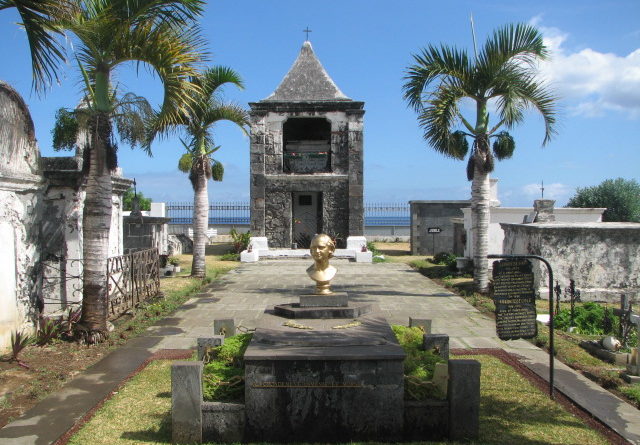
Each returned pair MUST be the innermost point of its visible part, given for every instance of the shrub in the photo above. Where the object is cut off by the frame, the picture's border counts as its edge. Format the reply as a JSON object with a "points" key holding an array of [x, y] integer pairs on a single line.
{"points": [[48, 330], [19, 341], [621, 197], [446, 258], [588, 319], [173, 260], [231, 256], [632, 391], [240, 240]]}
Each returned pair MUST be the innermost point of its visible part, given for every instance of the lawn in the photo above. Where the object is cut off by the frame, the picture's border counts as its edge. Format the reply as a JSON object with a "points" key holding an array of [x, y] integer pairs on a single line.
{"points": [[566, 344], [512, 410]]}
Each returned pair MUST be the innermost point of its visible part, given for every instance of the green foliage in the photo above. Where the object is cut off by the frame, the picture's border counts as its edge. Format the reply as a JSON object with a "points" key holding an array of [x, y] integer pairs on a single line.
{"points": [[185, 163], [217, 170], [173, 260], [632, 391], [371, 246], [19, 341], [231, 256], [503, 146], [65, 130], [418, 365], [620, 196], [458, 145], [48, 330], [127, 200], [588, 319], [446, 258], [223, 377], [240, 240]]}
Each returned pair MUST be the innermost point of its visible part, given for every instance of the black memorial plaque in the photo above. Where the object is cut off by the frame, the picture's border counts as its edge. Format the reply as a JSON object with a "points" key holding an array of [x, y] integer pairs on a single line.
{"points": [[514, 297]]}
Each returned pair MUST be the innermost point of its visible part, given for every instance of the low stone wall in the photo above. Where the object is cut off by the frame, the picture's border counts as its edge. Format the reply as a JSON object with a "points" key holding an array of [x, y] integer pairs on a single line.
{"points": [[456, 417], [602, 258]]}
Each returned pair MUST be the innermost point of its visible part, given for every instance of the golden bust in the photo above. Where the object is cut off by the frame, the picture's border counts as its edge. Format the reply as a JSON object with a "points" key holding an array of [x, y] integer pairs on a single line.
{"points": [[322, 248]]}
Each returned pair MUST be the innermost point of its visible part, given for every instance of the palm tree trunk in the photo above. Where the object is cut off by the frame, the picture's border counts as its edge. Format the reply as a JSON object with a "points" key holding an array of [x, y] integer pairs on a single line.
{"points": [[480, 198], [200, 223], [96, 221]]}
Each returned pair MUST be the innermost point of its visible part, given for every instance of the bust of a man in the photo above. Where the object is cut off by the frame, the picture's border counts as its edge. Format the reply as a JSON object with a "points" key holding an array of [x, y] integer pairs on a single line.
{"points": [[322, 248]]}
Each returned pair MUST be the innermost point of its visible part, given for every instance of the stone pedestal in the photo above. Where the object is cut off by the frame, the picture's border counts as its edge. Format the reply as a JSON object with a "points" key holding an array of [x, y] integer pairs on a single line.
{"points": [[336, 299], [325, 385]]}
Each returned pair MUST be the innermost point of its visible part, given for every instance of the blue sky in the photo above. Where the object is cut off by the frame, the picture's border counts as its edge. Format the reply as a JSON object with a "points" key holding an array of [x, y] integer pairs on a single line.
{"points": [[365, 45]]}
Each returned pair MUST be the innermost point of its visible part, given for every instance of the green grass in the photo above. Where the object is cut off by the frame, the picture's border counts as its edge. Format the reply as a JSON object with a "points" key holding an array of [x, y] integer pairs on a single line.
{"points": [[511, 411], [633, 392]]}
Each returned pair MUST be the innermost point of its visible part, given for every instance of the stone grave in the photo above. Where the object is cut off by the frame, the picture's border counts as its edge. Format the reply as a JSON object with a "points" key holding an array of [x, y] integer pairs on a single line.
{"points": [[322, 378]]}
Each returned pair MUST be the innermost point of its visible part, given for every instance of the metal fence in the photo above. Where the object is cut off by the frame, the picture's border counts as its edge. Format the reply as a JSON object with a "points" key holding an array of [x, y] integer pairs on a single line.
{"points": [[375, 214], [131, 279]]}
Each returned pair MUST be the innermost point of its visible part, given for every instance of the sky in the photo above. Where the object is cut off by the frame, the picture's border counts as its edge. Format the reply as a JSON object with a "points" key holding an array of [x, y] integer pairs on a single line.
{"points": [[366, 46]]}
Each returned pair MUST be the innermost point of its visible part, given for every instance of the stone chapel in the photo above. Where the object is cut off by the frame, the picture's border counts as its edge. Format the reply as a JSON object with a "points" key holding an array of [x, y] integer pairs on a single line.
{"points": [[306, 159]]}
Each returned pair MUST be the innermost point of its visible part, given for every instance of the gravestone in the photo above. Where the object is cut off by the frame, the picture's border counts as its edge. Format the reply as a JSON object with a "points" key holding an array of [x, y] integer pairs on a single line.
{"points": [[514, 298]]}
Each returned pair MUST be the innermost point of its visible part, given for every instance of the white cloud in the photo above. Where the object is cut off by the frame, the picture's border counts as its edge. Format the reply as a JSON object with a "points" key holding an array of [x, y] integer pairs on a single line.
{"points": [[592, 82]]}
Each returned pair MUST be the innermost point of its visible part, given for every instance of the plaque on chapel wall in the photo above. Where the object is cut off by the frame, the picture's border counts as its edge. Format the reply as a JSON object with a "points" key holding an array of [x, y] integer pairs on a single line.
{"points": [[514, 297]]}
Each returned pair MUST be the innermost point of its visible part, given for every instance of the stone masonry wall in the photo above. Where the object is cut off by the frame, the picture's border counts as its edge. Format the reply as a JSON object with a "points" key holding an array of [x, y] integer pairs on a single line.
{"points": [[425, 214], [602, 258], [271, 188]]}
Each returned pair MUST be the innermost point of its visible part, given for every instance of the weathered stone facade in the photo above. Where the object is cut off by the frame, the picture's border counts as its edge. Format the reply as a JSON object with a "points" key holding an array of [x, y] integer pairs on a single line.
{"points": [[602, 258], [307, 137], [41, 203]]}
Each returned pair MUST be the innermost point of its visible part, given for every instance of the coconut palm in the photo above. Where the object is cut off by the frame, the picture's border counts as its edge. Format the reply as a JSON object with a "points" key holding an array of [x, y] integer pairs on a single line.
{"points": [[502, 75], [198, 162], [38, 17], [106, 34]]}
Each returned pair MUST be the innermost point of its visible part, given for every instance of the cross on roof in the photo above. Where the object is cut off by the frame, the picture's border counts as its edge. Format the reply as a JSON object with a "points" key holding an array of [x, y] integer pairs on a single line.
{"points": [[307, 31]]}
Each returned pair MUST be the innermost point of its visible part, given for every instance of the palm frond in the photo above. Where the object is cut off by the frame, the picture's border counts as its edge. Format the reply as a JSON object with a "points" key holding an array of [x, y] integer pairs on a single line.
{"points": [[132, 116], [215, 77], [511, 44], [226, 112], [174, 56], [450, 64], [39, 22], [438, 117], [174, 12]]}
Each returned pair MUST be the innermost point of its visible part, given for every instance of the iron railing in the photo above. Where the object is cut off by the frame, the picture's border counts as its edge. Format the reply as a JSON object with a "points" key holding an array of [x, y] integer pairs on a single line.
{"points": [[375, 214], [131, 279]]}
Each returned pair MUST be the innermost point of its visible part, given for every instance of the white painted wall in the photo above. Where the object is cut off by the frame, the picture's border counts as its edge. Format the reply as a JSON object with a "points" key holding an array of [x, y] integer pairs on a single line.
{"points": [[516, 215], [10, 319]]}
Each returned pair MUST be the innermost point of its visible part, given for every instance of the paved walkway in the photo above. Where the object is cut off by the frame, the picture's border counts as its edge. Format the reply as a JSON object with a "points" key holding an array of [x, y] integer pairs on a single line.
{"points": [[245, 293]]}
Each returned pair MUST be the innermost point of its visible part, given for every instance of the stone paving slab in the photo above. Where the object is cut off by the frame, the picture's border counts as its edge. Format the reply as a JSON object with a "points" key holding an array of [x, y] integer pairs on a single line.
{"points": [[248, 292]]}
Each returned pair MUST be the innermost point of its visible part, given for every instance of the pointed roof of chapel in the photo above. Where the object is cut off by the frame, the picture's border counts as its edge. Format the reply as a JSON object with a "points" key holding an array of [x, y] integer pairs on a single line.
{"points": [[307, 81]]}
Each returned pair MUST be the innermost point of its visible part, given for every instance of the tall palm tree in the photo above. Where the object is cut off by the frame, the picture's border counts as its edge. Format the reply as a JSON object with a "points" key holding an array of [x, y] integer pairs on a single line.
{"points": [[198, 162], [502, 75], [107, 33], [38, 18]]}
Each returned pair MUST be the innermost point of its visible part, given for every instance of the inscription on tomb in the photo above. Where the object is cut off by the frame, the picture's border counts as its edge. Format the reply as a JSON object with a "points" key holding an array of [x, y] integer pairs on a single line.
{"points": [[514, 297]]}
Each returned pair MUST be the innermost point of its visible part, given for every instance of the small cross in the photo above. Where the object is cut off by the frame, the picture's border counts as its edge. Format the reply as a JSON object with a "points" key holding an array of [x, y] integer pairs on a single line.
{"points": [[542, 189], [307, 31]]}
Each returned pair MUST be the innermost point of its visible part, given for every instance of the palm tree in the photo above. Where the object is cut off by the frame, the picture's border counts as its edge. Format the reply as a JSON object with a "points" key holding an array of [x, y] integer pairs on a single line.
{"points": [[197, 161], [503, 75], [107, 33], [38, 17]]}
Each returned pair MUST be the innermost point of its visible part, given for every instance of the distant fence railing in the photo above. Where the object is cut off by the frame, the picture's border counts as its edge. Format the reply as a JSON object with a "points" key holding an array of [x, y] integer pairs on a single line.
{"points": [[375, 214]]}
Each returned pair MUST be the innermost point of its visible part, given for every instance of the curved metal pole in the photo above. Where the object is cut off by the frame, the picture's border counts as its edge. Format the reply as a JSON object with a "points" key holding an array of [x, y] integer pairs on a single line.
{"points": [[551, 345]]}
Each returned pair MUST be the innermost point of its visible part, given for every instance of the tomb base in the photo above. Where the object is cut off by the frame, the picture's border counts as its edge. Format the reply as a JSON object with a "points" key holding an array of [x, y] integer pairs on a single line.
{"points": [[325, 386]]}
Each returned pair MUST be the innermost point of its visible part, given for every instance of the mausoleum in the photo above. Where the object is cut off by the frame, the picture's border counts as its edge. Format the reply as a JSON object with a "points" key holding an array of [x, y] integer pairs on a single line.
{"points": [[306, 159]]}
